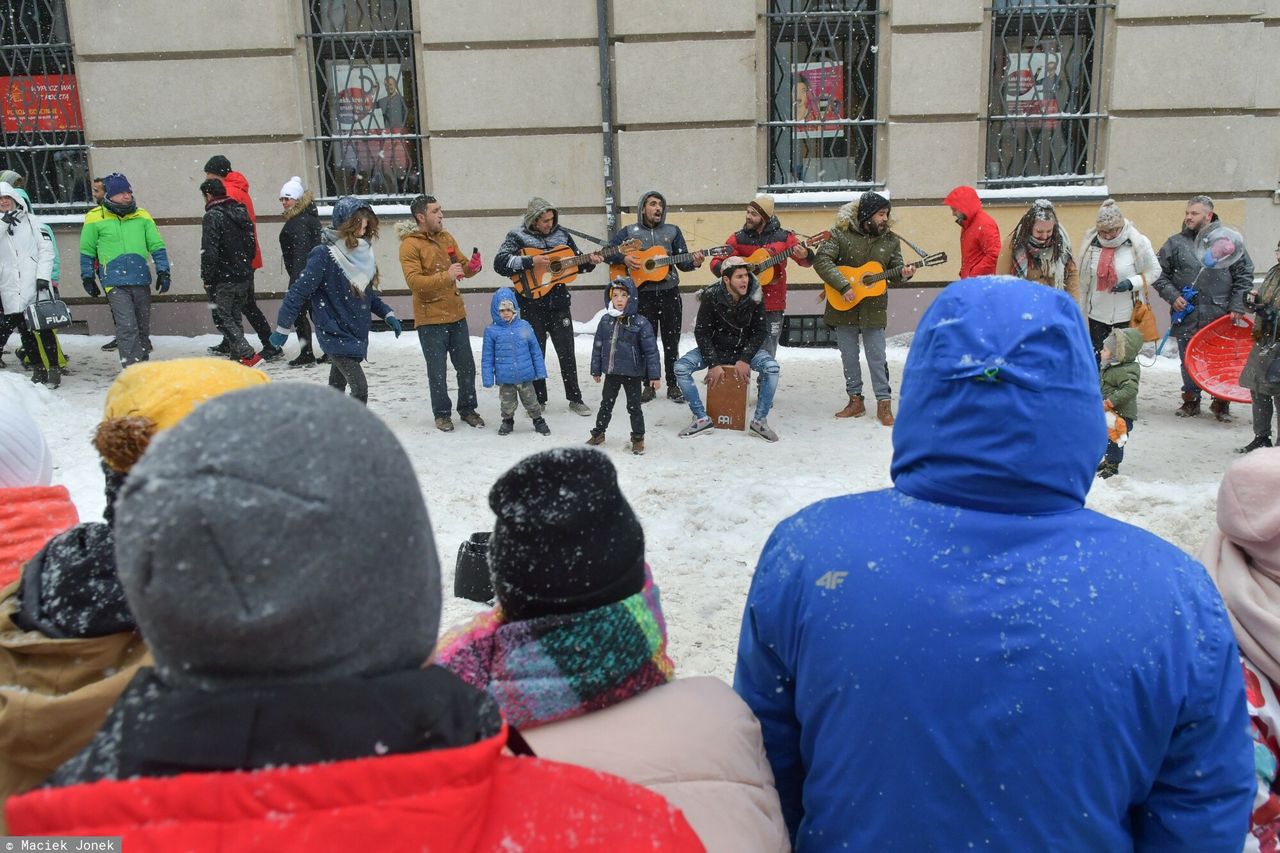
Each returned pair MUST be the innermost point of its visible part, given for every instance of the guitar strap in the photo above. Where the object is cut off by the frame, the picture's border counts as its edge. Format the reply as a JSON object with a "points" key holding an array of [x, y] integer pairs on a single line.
{"points": [[921, 252], [595, 240]]}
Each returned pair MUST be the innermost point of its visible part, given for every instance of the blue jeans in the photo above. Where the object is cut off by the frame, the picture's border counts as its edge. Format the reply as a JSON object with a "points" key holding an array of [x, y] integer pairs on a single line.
{"points": [[452, 339], [762, 363]]}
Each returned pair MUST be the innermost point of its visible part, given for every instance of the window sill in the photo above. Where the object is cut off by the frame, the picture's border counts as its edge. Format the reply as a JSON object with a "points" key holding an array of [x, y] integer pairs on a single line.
{"points": [[1050, 191]]}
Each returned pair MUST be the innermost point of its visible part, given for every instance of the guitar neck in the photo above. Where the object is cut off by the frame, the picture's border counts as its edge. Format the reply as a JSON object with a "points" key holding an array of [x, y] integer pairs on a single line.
{"points": [[577, 260], [871, 279], [772, 260]]}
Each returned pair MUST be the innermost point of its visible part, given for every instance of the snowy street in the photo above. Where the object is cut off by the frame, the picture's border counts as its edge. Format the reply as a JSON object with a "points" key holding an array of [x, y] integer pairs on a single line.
{"points": [[707, 503]]}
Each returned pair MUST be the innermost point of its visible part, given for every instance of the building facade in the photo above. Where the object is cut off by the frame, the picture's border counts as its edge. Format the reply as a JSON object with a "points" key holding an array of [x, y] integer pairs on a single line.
{"points": [[589, 103]]}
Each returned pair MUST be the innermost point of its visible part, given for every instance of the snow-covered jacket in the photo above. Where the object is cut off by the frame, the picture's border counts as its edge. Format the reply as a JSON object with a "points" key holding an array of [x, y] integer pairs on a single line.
{"points": [[29, 517], [997, 667], [342, 316], [668, 236], [1218, 291], [299, 234], [1134, 259], [26, 255], [227, 243], [511, 355], [625, 346], [979, 233], [509, 261], [726, 331], [695, 743], [851, 246]]}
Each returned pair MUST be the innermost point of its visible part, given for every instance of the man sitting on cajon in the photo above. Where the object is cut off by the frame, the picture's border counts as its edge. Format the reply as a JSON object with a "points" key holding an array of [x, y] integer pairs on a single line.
{"points": [[729, 330]]}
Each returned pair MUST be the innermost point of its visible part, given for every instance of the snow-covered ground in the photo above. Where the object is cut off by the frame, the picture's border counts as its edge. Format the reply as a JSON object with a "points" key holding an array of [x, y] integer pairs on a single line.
{"points": [[707, 503]]}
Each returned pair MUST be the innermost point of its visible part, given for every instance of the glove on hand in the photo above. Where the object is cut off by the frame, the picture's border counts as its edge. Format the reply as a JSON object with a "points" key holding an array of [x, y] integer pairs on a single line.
{"points": [[162, 282], [394, 322], [91, 286], [278, 339]]}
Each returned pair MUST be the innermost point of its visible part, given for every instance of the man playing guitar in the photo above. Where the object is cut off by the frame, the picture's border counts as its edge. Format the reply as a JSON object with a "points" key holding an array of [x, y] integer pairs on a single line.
{"points": [[660, 300], [548, 314], [762, 229]]}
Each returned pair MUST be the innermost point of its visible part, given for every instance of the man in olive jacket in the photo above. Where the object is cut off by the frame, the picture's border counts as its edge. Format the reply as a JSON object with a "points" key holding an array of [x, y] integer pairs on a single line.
{"points": [[432, 266], [860, 235]]}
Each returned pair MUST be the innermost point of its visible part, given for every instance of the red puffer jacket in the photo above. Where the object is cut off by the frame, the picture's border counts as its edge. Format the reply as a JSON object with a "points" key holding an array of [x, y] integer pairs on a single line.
{"points": [[30, 517], [467, 798], [238, 188], [979, 235], [773, 238]]}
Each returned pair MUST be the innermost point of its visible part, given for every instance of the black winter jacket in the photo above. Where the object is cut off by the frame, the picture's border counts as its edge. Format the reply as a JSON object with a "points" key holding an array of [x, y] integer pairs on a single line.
{"points": [[300, 234], [227, 244], [625, 346], [727, 331]]}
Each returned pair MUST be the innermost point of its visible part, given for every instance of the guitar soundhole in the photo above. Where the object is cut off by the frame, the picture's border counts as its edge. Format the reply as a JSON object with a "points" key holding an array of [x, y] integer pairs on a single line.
{"points": [[649, 265]]}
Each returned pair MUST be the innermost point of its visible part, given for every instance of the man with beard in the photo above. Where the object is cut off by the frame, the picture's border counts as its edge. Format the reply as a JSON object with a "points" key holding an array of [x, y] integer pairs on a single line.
{"points": [[660, 300], [759, 229], [1218, 291], [861, 234], [227, 247]]}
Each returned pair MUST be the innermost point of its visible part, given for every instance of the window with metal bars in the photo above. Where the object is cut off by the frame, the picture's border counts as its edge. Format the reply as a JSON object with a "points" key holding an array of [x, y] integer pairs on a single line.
{"points": [[822, 81], [41, 128], [1044, 112], [366, 98]]}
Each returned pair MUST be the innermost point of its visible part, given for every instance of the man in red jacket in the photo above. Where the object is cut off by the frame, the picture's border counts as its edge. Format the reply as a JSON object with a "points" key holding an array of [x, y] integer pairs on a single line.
{"points": [[979, 234], [237, 186]]}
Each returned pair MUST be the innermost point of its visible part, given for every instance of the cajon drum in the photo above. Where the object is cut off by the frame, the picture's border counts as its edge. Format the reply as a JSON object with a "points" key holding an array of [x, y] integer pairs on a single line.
{"points": [[727, 402]]}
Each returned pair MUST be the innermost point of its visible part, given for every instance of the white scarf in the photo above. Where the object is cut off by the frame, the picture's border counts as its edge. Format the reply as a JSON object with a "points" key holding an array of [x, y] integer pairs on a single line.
{"points": [[358, 264]]}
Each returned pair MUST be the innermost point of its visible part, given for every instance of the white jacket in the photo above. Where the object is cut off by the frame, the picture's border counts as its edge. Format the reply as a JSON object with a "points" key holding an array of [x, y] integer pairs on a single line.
{"points": [[1134, 259], [695, 742], [26, 254]]}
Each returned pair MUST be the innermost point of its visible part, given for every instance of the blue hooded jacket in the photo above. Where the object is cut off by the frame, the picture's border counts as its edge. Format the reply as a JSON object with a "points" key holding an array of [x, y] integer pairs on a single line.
{"points": [[511, 355], [625, 346], [972, 659]]}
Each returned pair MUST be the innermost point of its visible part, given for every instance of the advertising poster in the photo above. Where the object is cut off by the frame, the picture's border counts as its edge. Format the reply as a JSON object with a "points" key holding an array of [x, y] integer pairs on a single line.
{"points": [[818, 95], [45, 102], [366, 104], [1032, 87]]}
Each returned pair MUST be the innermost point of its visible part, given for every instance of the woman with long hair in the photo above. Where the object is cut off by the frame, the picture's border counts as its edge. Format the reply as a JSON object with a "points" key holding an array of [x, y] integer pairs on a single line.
{"points": [[1039, 250]]}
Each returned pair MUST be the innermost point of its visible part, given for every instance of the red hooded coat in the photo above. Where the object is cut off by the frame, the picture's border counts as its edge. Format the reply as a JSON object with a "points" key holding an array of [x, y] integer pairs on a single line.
{"points": [[238, 188], [979, 234]]}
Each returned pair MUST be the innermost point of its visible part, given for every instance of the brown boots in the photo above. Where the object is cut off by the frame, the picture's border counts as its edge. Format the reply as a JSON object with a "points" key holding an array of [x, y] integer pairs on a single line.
{"points": [[1190, 407], [1221, 410], [884, 412], [855, 409]]}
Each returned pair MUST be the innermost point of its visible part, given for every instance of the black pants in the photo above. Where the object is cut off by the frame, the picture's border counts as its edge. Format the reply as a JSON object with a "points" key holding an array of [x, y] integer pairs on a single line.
{"points": [[665, 312], [303, 328], [258, 321], [36, 343], [558, 325], [630, 384], [228, 300], [344, 371]]}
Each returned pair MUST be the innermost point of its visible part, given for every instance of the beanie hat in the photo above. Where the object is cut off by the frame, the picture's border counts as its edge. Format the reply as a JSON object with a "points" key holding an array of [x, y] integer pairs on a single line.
{"points": [[218, 165], [869, 204], [244, 568], [152, 396], [345, 207], [114, 184], [763, 205], [292, 188], [565, 539], [214, 187], [1109, 215], [25, 459]]}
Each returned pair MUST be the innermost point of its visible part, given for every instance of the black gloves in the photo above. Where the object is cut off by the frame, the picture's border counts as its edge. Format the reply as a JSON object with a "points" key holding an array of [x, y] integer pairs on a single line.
{"points": [[91, 285]]}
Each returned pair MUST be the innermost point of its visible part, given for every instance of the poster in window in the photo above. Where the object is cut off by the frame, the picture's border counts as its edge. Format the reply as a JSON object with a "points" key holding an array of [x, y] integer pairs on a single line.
{"points": [[817, 98], [40, 103], [366, 104], [1033, 87]]}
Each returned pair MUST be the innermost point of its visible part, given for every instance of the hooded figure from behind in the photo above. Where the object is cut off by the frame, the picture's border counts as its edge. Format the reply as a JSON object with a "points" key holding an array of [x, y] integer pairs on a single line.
{"points": [[979, 233], [1039, 675], [288, 708]]}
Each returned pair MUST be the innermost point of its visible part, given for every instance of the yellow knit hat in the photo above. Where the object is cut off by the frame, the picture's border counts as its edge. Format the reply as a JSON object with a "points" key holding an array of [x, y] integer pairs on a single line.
{"points": [[155, 395]]}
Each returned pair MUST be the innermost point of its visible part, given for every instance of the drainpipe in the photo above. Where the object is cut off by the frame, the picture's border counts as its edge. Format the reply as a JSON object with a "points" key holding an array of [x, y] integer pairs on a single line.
{"points": [[606, 117]]}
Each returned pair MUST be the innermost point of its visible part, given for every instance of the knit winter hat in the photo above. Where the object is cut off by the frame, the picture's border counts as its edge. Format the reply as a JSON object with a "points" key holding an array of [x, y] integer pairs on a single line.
{"points": [[218, 165], [292, 188], [152, 396], [869, 204], [25, 459], [115, 183], [565, 539], [1109, 216], [246, 563], [763, 205], [345, 207]]}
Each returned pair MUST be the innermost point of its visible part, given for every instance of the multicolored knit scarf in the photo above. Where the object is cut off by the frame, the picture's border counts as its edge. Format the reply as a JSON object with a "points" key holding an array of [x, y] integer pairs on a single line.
{"points": [[556, 667]]}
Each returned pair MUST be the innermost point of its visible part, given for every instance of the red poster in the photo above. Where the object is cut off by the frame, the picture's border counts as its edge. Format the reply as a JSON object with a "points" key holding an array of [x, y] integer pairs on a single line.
{"points": [[818, 93], [42, 102]]}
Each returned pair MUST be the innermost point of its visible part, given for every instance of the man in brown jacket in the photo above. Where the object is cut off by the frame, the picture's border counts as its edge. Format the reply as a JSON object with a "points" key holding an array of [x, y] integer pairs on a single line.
{"points": [[433, 266]]}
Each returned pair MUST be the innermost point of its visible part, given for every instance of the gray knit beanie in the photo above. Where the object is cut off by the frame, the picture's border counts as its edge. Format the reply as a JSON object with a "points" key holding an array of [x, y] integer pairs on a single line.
{"points": [[278, 534], [1109, 215]]}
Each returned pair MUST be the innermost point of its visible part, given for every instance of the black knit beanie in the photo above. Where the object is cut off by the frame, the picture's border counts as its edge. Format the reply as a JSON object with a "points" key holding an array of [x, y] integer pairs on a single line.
{"points": [[869, 205], [565, 539], [218, 165]]}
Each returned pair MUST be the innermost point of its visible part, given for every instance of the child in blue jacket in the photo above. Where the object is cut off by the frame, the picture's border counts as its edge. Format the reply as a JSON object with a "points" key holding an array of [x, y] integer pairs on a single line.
{"points": [[625, 353], [513, 359]]}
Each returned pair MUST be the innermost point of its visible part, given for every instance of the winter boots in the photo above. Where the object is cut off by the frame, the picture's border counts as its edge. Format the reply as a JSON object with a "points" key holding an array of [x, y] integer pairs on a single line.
{"points": [[580, 408], [1258, 441], [1107, 470], [596, 439], [854, 409], [444, 424], [306, 358], [647, 394], [506, 426], [1221, 410], [884, 412], [637, 444], [473, 420], [674, 394], [1190, 407]]}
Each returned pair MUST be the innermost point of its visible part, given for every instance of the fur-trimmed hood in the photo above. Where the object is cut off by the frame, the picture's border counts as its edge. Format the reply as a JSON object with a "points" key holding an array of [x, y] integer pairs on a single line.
{"points": [[308, 201]]}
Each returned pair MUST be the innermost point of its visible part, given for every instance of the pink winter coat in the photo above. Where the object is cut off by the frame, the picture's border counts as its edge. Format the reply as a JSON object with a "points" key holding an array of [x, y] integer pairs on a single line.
{"points": [[695, 742]]}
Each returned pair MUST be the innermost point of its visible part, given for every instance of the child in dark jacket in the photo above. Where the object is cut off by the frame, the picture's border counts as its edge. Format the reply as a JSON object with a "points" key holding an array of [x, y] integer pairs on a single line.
{"points": [[626, 354], [512, 358], [1120, 377]]}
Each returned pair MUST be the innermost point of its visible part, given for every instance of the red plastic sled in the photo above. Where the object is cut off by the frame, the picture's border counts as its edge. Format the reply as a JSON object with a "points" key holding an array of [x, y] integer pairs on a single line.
{"points": [[1215, 356]]}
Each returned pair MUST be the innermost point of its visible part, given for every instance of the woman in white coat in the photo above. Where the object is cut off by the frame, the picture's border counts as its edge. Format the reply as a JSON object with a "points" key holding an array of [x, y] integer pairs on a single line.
{"points": [[1117, 266], [26, 265]]}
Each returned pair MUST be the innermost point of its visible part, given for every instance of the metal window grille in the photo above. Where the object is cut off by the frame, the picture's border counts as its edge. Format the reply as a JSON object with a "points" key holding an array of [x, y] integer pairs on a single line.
{"points": [[1044, 116], [366, 98], [41, 125], [822, 122]]}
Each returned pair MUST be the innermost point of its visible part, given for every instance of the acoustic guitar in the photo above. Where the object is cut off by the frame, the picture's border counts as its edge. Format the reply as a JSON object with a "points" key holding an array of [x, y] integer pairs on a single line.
{"points": [[762, 262], [563, 268], [870, 279], [654, 262]]}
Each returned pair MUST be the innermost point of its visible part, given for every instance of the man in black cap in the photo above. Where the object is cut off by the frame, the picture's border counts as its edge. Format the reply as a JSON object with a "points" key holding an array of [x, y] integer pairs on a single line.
{"points": [[860, 235]]}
